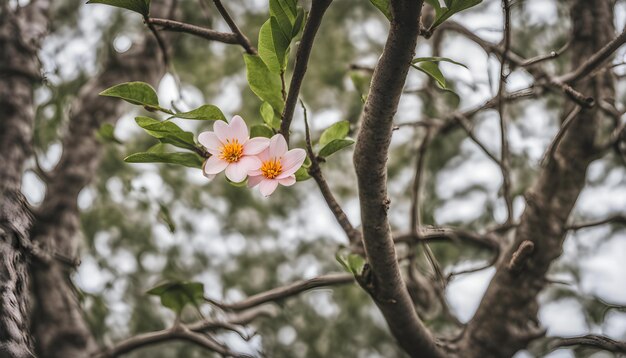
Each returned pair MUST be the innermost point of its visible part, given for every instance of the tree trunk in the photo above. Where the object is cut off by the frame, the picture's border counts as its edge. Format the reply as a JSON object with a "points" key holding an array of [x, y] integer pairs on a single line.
{"points": [[21, 33], [59, 327], [506, 320]]}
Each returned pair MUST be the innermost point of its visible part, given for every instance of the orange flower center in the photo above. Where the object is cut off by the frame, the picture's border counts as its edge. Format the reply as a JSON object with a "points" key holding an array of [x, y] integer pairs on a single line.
{"points": [[231, 151], [271, 168]]}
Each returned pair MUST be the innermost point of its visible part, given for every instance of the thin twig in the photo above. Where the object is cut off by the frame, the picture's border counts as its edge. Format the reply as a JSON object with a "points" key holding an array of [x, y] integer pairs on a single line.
{"points": [[159, 39], [559, 136], [318, 8], [241, 38], [470, 133], [541, 58], [208, 34], [615, 219], [590, 340], [354, 235], [504, 142], [281, 293]]}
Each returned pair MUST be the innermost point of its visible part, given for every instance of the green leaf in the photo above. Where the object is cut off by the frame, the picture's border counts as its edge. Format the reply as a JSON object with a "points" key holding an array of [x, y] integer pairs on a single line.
{"points": [[432, 70], [269, 115], [207, 112], [285, 13], [352, 263], [442, 13], [106, 132], [139, 6], [191, 160], [298, 25], [335, 146], [165, 217], [176, 295], [436, 59], [261, 130], [265, 84], [167, 132], [139, 93], [338, 130], [302, 174], [273, 45], [383, 6]]}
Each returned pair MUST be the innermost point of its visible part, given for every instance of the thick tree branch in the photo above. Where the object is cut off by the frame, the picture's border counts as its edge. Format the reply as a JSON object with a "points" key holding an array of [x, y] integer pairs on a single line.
{"points": [[382, 279], [497, 330], [314, 20]]}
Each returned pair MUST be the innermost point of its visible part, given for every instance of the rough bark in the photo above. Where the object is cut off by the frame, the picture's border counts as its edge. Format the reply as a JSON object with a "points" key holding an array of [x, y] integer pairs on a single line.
{"points": [[382, 278], [59, 327], [506, 320], [21, 33]]}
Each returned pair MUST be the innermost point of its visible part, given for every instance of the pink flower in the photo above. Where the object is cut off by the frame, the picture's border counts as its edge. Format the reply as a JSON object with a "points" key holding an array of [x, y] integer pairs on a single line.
{"points": [[232, 150], [277, 166]]}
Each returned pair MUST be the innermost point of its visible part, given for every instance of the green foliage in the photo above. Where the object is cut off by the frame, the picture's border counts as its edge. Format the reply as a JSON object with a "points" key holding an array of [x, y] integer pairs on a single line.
{"points": [[261, 130], [140, 6], [334, 138], [265, 84], [167, 132], [269, 116], [302, 174], [384, 6], [273, 46], [166, 217], [191, 160], [207, 112], [352, 263], [176, 295], [138, 93], [106, 132], [429, 66], [452, 7], [334, 146]]}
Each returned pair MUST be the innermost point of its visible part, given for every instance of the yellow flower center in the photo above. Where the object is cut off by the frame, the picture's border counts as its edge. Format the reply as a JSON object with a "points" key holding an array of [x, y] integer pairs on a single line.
{"points": [[271, 168], [231, 151]]}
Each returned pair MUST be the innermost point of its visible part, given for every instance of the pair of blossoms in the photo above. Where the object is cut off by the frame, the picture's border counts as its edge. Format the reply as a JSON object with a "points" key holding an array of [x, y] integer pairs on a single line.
{"points": [[265, 162]]}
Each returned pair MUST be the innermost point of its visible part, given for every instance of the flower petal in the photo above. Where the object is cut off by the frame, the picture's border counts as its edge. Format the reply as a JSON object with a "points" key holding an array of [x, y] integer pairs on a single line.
{"points": [[214, 165], [222, 131], [292, 161], [278, 146], [209, 176], [211, 142], [288, 181], [237, 172], [254, 180], [255, 146], [268, 186], [238, 129]]}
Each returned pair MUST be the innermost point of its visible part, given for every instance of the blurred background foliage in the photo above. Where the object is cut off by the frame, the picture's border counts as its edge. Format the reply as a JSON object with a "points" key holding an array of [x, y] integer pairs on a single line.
{"points": [[238, 243]]}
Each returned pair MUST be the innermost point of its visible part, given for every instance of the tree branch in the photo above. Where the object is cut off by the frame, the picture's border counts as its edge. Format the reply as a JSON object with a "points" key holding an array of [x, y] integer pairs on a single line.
{"points": [[595, 61], [281, 293], [178, 332], [314, 20], [590, 340], [382, 278], [615, 219], [354, 235], [241, 38], [208, 34]]}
